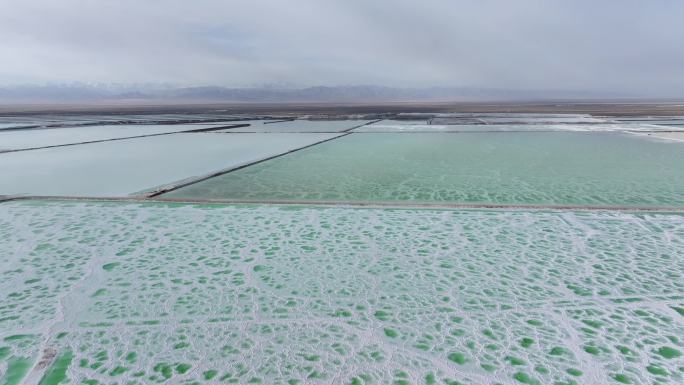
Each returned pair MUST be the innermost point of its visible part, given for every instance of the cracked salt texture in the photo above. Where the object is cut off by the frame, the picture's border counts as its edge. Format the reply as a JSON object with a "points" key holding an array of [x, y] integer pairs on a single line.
{"points": [[169, 293]]}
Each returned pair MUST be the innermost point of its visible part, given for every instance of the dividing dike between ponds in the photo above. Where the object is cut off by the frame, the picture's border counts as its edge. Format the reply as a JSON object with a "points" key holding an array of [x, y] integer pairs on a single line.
{"points": [[196, 130]]}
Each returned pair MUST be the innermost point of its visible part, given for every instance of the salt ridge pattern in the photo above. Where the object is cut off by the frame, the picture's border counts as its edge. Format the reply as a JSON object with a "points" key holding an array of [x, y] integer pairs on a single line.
{"points": [[142, 293]]}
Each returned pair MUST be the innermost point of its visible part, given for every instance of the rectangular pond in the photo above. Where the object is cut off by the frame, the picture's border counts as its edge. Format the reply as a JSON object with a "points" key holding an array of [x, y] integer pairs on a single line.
{"points": [[557, 168], [301, 126], [416, 127], [32, 138], [128, 166]]}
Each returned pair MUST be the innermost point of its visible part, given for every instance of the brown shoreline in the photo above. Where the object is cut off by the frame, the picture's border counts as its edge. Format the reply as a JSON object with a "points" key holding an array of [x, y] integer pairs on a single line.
{"points": [[615, 108]]}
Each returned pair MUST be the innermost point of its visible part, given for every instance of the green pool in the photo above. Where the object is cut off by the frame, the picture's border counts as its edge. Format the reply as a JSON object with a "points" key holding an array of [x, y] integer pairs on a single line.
{"points": [[556, 168]]}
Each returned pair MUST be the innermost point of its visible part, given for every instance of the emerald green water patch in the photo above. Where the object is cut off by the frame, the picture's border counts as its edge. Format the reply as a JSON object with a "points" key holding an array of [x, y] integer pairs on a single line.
{"points": [[56, 374], [17, 355], [110, 266], [621, 378], [501, 168], [669, 352], [458, 358], [4, 352], [17, 368], [18, 337]]}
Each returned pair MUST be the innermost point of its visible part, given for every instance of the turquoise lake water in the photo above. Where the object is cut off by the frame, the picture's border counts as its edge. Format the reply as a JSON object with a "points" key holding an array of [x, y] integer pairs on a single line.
{"points": [[574, 168]]}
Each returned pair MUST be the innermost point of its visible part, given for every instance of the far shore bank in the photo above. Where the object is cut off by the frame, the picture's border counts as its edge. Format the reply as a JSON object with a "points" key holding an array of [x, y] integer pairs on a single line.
{"points": [[611, 108]]}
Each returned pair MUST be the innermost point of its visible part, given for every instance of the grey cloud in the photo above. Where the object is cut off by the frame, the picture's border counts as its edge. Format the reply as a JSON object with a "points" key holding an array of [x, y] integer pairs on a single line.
{"points": [[630, 46]]}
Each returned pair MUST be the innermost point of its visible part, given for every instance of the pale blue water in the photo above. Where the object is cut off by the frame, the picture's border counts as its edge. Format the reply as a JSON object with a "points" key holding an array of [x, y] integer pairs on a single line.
{"points": [[124, 167]]}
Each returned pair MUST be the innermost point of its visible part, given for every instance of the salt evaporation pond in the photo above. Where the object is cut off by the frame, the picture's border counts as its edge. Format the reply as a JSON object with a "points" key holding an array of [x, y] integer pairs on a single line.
{"points": [[143, 293], [424, 127], [120, 293], [557, 168], [32, 138], [124, 167], [300, 126]]}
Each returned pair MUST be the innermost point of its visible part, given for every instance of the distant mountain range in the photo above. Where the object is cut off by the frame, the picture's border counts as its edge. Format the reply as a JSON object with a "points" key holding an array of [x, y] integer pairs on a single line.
{"points": [[78, 93]]}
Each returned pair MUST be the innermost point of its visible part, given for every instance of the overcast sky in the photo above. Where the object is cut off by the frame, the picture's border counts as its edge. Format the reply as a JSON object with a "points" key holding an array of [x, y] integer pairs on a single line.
{"points": [[615, 45]]}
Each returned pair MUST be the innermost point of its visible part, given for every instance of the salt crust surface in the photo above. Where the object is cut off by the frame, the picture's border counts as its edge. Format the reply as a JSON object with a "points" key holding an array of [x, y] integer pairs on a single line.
{"points": [[181, 294]]}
